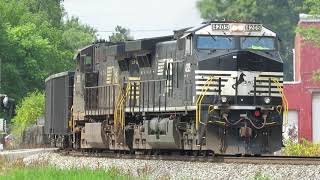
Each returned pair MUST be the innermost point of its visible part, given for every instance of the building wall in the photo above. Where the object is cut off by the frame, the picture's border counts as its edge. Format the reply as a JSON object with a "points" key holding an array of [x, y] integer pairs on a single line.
{"points": [[300, 100], [299, 94]]}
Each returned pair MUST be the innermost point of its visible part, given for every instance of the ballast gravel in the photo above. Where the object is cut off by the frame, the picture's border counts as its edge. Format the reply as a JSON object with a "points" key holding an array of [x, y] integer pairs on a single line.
{"points": [[160, 169]]}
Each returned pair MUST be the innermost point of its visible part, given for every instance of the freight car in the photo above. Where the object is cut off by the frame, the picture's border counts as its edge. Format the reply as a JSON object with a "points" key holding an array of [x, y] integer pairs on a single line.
{"points": [[216, 87], [58, 103]]}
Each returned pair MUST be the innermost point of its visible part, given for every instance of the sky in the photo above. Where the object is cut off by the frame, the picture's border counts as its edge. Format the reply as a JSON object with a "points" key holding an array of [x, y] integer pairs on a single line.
{"points": [[145, 18]]}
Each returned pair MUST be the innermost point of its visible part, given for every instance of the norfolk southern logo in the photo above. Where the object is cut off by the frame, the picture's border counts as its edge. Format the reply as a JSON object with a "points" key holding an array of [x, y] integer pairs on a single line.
{"points": [[240, 80]]}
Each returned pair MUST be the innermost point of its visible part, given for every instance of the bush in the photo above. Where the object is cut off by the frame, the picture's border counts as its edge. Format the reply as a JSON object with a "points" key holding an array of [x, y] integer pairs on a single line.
{"points": [[29, 110], [304, 148], [260, 176]]}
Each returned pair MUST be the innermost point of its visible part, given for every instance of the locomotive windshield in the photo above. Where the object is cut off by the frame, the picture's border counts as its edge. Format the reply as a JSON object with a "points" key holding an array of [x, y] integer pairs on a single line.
{"points": [[215, 42], [258, 43]]}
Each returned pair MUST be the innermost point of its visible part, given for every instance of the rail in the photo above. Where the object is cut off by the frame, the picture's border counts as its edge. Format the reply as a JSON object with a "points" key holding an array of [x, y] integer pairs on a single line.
{"points": [[197, 156]]}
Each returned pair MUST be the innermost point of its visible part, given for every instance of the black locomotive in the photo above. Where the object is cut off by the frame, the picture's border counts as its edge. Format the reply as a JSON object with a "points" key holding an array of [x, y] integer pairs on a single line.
{"points": [[216, 87]]}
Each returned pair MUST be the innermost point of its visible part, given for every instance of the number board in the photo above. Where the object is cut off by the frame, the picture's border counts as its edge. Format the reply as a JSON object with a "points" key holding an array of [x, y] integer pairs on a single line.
{"points": [[220, 26], [226, 27], [253, 27]]}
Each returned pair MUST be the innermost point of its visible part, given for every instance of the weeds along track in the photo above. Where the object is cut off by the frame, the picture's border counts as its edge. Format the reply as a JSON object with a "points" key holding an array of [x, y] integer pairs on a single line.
{"points": [[194, 157]]}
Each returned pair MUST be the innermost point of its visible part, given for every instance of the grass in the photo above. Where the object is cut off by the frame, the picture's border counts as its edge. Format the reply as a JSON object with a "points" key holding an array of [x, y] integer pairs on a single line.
{"points": [[52, 173], [17, 170], [260, 176]]}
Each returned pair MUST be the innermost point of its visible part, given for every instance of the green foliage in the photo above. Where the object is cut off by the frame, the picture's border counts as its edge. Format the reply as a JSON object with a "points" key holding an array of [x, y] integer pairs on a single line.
{"points": [[40, 169], [121, 34], [313, 6], [304, 148], [76, 35], [281, 16], [49, 9], [52, 173], [29, 110], [227, 9], [311, 33], [316, 75], [260, 176], [35, 42]]}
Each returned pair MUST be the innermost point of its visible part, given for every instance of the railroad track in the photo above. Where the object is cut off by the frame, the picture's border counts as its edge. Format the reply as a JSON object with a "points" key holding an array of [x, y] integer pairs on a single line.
{"points": [[217, 158]]}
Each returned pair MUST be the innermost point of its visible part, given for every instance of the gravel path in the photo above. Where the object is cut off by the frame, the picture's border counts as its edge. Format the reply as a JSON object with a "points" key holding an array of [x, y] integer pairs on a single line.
{"points": [[182, 170]]}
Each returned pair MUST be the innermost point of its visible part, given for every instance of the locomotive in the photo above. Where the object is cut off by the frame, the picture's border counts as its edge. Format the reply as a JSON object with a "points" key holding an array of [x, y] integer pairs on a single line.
{"points": [[212, 88]]}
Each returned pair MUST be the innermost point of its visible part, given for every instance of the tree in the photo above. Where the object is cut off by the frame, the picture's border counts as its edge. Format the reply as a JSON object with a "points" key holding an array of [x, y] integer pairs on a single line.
{"points": [[29, 110], [77, 35], [227, 9], [281, 16], [121, 34], [36, 42], [52, 10]]}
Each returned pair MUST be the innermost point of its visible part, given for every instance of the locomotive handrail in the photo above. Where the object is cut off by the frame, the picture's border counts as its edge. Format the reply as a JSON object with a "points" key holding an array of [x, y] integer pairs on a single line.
{"points": [[101, 94], [119, 107], [122, 112], [284, 100], [204, 90], [151, 80], [108, 85], [115, 118]]}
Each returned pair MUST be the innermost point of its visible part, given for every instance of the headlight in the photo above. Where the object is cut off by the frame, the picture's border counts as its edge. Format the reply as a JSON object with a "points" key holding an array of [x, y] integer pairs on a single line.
{"points": [[224, 99], [238, 27], [267, 100]]}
